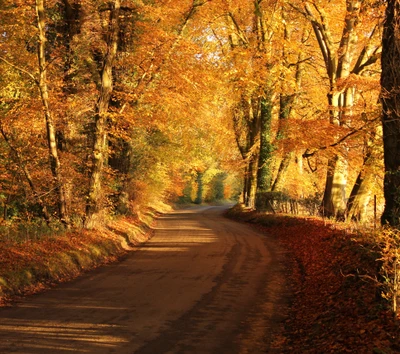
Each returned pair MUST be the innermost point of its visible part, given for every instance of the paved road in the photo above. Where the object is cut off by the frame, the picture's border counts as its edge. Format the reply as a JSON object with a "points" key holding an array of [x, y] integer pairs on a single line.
{"points": [[202, 284]]}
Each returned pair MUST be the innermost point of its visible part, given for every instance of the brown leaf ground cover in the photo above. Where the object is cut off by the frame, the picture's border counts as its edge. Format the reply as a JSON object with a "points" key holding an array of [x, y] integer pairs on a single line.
{"points": [[335, 306], [35, 264]]}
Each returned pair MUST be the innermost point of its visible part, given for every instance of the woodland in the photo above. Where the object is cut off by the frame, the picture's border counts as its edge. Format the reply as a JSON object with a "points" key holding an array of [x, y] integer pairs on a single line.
{"points": [[109, 106]]}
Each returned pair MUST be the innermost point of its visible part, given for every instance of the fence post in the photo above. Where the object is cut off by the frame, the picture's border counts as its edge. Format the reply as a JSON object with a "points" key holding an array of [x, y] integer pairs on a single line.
{"points": [[375, 212]]}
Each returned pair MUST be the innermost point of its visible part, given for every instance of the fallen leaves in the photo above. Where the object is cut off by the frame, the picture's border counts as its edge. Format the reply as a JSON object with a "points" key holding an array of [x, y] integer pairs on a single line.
{"points": [[329, 312], [31, 266]]}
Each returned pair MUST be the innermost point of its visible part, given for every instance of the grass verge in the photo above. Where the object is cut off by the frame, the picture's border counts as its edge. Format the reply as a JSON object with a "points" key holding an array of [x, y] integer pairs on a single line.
{"points": [[36, 264]]}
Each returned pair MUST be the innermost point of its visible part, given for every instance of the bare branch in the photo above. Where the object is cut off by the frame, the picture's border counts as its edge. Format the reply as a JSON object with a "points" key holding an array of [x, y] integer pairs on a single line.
{"points": [[26, 72], [238, 29], [368, 55]]}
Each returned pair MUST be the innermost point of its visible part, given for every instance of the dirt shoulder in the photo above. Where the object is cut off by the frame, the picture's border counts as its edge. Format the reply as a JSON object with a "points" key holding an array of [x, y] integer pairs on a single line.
{"points": [[36, 264], [334, 308]]}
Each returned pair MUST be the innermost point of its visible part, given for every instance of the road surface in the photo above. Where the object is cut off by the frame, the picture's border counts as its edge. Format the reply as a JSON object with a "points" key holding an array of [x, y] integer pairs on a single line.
{"points": [[202, 284]]}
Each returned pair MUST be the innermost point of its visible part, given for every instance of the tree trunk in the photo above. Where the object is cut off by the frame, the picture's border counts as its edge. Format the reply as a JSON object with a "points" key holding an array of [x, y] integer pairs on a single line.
{"points": [[100, 148], [199, 194], [280, 177], [247, 132], [333, 201], [390, 96], [361, 192], [244, 192], [286, 103], [253, 154], [71, 28], [265, 154], [359, 196], [55, 163], [252, 183], [285, 107]]}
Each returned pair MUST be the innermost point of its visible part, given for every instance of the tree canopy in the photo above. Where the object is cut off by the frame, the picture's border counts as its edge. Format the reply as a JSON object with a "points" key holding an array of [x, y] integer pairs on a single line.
{"points": [[109, 106]]}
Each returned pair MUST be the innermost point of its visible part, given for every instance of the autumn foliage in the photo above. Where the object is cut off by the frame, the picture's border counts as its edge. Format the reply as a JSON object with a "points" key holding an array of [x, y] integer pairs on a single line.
{"points": [[334, 284], [109, 107]]}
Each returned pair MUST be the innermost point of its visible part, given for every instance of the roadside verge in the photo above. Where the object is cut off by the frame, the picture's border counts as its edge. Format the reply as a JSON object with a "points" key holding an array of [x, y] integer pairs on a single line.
{"points": [[36, 264], [334, 307]]}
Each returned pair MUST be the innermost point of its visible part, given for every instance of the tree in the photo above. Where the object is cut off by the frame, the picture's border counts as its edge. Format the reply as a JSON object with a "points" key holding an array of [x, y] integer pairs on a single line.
{"points": [[100, 145], [41, 81], [341, 62], [361, 192], [390, 97], [55, 163], [288, 97], [251, 54]]}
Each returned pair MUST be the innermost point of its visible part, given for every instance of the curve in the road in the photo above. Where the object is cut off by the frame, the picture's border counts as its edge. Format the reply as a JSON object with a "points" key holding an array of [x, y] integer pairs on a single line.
{"points": [[202, 284]]}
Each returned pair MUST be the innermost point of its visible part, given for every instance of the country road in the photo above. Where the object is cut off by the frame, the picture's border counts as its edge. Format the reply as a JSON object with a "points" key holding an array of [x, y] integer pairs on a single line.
{"points": [[202, 284]]}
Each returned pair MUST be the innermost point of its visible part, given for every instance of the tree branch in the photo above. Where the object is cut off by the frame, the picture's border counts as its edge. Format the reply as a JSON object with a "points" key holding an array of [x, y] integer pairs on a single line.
{"points": [[4, 60], [238, 29], [368, 55], [341, 140]]}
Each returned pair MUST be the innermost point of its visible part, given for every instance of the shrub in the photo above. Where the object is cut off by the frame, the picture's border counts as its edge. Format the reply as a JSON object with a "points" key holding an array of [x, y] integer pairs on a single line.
{"points": [[389, 248]]}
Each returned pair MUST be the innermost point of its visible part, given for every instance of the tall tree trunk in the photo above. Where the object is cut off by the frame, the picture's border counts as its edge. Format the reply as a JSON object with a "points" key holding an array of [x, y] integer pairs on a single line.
{"points": [[361, 192], [333, 202], [390, 96], [281, 174], [334, 199], [100, 148], [55, 163], [253, 154], [70, 29], [252, 158], [286, 103], [360, 196], [199, 194], [285, 108], [265, 155], [252, 182], [245, 182], [247, 132]]}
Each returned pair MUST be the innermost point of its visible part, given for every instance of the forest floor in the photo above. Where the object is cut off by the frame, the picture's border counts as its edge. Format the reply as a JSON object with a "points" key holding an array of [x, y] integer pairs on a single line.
{"points": [[334, 308]]}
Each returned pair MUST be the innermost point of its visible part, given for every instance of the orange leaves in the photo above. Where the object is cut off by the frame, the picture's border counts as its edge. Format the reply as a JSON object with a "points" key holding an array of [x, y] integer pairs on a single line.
{"points": [[34, 264], [334, 309], [332, 313]]}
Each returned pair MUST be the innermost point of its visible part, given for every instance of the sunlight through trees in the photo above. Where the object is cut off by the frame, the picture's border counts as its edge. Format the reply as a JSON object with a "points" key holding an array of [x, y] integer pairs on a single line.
{"points": [[106, 107]]}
